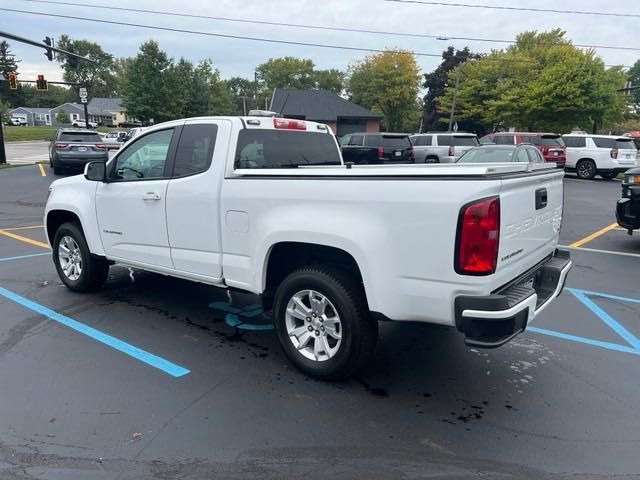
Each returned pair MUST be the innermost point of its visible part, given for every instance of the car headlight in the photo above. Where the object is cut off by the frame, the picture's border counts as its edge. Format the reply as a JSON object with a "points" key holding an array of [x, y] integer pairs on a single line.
{"points": [[632, 179]]}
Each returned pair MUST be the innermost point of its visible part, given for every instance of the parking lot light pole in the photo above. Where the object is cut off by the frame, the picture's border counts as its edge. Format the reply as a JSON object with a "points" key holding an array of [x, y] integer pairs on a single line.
{"points": [[455, 97]]}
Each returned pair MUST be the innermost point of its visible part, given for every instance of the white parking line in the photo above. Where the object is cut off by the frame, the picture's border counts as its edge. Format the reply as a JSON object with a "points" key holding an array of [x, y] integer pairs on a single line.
{"points": [[597, 250]]}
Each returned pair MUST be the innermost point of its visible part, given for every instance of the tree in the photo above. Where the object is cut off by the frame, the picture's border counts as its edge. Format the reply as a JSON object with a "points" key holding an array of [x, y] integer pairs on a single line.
{"points": [[244, 94], [147, 89], [437, 81], [285, 72], [634, 78], [4, 111], [332, 80], [388, 83], [63, 118], [9, 64], [542, 82], [97, 77]]}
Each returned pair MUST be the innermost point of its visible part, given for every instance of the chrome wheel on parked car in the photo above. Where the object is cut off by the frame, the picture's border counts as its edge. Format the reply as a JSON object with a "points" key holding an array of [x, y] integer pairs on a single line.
{"points": [[586, 169], [313, 325], [70, 258]]}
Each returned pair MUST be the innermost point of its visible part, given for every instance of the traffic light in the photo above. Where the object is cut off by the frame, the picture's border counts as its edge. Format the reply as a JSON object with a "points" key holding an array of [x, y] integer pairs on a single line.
{"points": [[41, 84], [72, 61], [13, 81], [49, 52]]}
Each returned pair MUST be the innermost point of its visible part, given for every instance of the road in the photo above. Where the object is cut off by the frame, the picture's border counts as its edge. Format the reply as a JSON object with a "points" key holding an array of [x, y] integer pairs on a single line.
{"points": [[27, 152], [211, 400]]}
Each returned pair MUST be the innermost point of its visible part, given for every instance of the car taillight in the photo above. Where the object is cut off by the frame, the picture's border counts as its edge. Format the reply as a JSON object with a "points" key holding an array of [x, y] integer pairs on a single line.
{"points": [[380, 152], [60, 146], [614, 153], [100, 146], [452, 150], [289, 124], [477, 237]]}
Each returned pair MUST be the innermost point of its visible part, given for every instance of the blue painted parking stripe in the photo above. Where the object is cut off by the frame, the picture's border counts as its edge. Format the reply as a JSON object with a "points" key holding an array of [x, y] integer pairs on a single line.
{"points": [[606, 318], [588, 341], [20, 257], [113, 342], [605, 295]]}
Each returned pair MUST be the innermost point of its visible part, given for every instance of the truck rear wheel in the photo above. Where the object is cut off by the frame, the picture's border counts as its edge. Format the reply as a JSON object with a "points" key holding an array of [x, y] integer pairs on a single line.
{"points": [[323, 322], [77, 269]]}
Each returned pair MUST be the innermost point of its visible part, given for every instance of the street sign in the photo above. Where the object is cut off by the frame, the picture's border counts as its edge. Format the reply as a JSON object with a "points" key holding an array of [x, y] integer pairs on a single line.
{"points": [[83, 92], [83, 99]]}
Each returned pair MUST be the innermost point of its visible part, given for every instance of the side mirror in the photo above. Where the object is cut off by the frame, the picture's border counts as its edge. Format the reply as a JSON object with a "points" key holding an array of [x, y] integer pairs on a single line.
{"points": [[96, 171]]}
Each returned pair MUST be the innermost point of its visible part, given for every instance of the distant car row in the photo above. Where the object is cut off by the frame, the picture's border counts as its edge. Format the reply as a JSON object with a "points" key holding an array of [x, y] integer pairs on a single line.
{"points": [[587, 155]]}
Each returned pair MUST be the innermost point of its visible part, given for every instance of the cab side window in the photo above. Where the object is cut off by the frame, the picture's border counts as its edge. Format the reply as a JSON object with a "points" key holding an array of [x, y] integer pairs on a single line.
{"points": [[522, 156], [145, 158], [534, 155], [195, 149]]}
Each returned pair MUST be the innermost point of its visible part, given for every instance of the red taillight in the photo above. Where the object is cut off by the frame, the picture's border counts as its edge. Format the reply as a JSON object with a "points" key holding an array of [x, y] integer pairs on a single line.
{"points": [[614, 153], [289, 124], [380, 152], [477, 238], [100, 146], [452, 150], [60, 146]]}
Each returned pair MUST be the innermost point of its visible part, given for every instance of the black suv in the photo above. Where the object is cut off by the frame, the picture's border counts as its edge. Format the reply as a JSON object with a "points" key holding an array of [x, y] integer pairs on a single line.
{"points": [[377, 148], [75, 147]]}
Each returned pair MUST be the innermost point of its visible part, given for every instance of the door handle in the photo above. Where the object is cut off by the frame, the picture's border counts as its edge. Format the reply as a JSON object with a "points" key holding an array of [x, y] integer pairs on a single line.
{"points": [[151, 196], [541, 198]]}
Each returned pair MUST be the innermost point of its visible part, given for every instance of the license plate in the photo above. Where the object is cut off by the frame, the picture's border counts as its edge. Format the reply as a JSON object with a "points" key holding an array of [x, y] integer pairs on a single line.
{"points": [[398, 154], [82, 149], [555, 154]]}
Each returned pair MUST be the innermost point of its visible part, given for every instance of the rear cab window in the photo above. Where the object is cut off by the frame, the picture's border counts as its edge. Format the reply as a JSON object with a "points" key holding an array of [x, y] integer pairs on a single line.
{"points": [[195, 149], [263, 148], [84, 137], [396, 141]]}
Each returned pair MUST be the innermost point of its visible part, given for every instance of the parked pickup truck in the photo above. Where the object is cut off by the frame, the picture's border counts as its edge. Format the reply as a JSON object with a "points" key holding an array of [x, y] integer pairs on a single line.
{"points": [[266, 205]]}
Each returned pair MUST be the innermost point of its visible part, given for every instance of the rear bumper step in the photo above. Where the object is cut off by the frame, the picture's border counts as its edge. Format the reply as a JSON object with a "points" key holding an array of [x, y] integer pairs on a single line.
{"points": [[493, 320]]}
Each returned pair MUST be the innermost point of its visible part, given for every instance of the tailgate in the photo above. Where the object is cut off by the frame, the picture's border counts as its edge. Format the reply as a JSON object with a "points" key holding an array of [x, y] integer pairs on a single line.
{"points": [[530, 219]]}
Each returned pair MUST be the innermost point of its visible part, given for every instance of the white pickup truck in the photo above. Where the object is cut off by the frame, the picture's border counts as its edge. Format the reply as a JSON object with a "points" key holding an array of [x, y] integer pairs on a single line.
{"points": [[266, 205]]}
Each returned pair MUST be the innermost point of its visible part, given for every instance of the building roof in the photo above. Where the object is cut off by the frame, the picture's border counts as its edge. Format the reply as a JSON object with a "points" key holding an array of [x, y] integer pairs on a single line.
{"points": [[105, 106], [32, 109], [76, 106], [317, 105]]}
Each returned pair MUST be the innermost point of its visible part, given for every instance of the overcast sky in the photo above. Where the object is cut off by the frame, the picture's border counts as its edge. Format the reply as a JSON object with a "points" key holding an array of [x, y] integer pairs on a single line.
{"points": [[239, 57]]}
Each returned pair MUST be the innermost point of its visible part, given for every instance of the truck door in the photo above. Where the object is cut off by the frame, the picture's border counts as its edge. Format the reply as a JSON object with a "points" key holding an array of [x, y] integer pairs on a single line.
{"points": [[193, 197]]}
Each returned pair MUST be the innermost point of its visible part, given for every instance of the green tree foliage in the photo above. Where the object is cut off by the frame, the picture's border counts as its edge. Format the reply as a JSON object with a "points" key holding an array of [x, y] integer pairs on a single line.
{"points": [[388, 83], [285, 72], [634, 78], [9, 64], [4, 111], [56, 95], [98, 77], [542, 82], [63, 118], [244, 93], [331, 79], [437, 81]]}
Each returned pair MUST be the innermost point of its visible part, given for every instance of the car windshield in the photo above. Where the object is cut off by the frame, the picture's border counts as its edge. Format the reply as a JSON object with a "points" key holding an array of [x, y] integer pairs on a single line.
{"points": [[458, 140], [624, 144], [544, 140], [395, 141], [487, 155], [86, 137], [285, 149]]}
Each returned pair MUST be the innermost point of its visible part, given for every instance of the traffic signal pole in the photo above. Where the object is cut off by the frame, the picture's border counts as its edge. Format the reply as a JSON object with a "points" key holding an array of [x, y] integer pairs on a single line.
{"points": [[3, 155]]}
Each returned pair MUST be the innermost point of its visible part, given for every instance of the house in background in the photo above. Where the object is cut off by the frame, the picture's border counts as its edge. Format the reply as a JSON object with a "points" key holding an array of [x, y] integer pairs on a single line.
{"points": [[323, 106], [33, 116], [75, 111], [108, 111]]}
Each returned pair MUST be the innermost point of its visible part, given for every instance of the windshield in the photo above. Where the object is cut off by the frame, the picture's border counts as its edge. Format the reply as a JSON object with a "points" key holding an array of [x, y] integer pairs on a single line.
{"points": [[458, 140], [87, 137], [487, 155], [396, 141], [285, 149]]}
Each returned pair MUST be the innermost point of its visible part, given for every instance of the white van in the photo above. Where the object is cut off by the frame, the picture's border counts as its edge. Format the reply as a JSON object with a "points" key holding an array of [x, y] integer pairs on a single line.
{"points": [[604, 155]]}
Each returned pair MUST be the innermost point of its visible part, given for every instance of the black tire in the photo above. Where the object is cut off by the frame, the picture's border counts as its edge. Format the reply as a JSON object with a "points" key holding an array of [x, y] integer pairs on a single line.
{"points": [[586, 169], [94, 270], [607, 176], [359, 332]]}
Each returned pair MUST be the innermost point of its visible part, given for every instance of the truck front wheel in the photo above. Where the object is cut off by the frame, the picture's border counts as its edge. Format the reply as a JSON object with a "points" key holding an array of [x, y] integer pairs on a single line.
{"points": [[323, 322], [77, 269]]}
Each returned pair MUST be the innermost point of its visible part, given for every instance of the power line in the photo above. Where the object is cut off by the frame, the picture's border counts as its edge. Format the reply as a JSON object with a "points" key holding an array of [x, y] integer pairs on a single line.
{"points": [[521, 9], [314, 27], [240, 37]]}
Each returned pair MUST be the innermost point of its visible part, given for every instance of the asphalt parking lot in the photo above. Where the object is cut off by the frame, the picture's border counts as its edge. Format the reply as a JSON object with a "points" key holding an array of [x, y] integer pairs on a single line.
{"points": [[154, 377]]}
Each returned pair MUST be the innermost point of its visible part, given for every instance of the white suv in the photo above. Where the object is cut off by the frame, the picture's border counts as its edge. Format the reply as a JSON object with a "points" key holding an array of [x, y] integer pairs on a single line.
{"points": [[604, 155]]}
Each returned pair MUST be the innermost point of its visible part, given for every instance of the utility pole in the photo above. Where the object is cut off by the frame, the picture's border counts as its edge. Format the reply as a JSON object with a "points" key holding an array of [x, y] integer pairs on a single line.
{"points": [[244, 104], [3, 156], [455, 96]]}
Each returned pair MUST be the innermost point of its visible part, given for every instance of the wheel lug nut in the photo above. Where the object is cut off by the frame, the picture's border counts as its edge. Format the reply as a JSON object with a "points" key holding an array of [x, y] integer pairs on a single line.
{"points": [[314, 315], [310, 328], [317, 333], [322, 328], [308, 319]]}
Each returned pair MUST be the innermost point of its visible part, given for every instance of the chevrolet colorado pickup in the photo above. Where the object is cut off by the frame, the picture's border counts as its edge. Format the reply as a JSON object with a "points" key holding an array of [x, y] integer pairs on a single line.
{"points": [[266, 205]]}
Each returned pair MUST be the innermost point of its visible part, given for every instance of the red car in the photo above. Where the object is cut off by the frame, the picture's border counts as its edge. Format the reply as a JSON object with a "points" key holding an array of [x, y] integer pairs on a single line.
{"points": [[550, 144]]}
